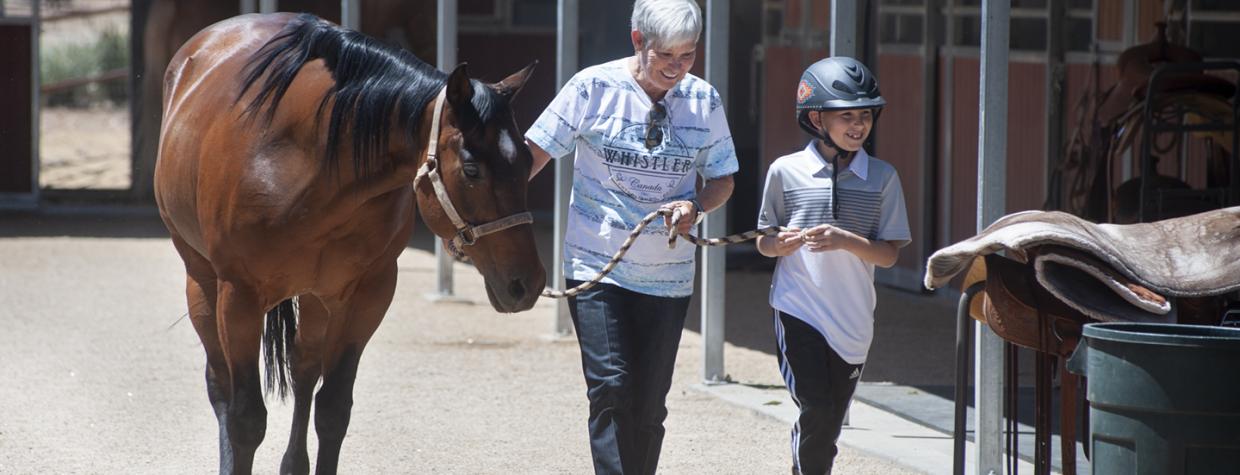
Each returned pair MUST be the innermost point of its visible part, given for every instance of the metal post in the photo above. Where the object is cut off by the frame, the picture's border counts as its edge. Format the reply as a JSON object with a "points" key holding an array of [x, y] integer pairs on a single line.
{"points": [[267, 6], [844, 28], [963, 353], [991, 180], [714, 259], [1055, 72], [566, 42], [36, 26], [945, 123], [446, 59], [249, 6], [351, 14], [931, 38]]}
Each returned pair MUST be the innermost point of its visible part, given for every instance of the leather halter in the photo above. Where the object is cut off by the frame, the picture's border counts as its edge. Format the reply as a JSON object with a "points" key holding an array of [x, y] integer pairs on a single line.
{"points": [[466, 234]]}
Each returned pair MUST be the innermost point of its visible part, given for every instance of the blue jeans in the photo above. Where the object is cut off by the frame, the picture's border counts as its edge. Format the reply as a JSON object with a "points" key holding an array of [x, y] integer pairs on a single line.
{"points": [[628, 351]]}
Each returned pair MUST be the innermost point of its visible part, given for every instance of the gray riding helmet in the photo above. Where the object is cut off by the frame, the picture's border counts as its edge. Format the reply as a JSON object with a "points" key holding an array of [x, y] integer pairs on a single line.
{"points": [[836, 83]]}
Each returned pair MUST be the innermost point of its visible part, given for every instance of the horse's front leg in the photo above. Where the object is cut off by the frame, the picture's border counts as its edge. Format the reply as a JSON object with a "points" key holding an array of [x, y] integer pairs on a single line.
{"points": [[240, 325], [307, 366], [346, 337]]}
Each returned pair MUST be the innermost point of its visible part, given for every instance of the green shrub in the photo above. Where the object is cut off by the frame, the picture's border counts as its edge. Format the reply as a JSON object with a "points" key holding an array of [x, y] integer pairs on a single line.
{"points": [[113, 53], [109, 51]]}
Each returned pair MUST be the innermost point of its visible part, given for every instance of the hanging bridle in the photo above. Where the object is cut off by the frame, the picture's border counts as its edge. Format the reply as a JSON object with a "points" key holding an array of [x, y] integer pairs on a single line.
{"points": [[466, 234]]}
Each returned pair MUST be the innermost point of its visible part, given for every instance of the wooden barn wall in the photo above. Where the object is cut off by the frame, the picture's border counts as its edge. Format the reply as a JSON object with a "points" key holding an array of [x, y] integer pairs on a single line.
{"points": [[1026, 165], [1026, 152], [491, 58], [1110, 20], [780, 133], [1149, 12], [899, 141], [1079, 81], [964, 94], [782, 65], [820, 14]]}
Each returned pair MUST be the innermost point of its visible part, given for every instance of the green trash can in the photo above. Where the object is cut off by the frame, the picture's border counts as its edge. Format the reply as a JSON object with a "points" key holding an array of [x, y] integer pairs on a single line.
{"points": [[1163, 399]]}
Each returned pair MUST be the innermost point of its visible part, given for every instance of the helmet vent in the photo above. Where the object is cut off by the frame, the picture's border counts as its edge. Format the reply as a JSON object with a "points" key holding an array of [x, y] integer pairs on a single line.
{"points": [[845, 88], [854, 73]]}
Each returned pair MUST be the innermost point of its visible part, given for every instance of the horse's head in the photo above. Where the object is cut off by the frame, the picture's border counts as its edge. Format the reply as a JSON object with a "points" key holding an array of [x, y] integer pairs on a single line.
{"points": [[471, 188]]}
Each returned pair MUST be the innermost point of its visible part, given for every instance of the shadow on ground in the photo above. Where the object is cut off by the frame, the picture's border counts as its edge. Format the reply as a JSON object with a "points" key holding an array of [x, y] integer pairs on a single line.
{"points": [[911, 359], [100, 222], [913, 345]]}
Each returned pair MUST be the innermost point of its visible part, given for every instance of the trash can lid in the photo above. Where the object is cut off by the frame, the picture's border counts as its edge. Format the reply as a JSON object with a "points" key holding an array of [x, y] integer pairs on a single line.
{"points": [[1165, 334]]}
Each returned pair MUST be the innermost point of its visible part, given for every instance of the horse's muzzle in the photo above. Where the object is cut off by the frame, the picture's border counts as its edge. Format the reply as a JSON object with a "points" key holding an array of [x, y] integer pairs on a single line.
{"points": [[516, 294]]}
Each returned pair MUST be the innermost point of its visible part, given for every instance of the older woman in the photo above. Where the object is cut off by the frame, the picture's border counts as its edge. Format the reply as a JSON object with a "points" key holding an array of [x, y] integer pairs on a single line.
{"points": [[646, 135]]}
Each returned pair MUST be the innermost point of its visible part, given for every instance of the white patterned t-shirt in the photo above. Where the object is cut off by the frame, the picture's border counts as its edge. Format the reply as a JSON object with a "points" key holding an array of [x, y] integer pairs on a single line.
{"points": [[605, 117]]}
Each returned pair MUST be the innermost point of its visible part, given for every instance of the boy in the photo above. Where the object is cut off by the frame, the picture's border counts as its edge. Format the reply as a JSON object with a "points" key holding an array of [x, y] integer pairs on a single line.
{"points": [[846, 213]]}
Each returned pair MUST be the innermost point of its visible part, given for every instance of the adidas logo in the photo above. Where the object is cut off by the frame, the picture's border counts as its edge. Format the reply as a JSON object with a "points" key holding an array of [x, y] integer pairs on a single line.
{"points": [[855, 374]]}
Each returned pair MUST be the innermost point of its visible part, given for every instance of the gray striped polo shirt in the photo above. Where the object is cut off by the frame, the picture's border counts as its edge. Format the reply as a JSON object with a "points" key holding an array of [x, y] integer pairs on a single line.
{"points": [[833, 291]]}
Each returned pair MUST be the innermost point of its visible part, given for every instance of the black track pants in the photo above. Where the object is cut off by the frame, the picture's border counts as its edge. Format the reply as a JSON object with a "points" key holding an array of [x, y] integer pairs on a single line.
{"points": [[821, 384]]}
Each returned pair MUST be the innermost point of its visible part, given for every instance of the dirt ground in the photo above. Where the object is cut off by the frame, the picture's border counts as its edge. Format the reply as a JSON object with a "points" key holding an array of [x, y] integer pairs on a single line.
{"points": [[103, 375], [84, 148]]}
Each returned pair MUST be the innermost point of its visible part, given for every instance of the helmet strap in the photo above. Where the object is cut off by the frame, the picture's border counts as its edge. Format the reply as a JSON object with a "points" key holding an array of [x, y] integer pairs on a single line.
{"points": [[835, 186], [826, 140], [840, 153]]}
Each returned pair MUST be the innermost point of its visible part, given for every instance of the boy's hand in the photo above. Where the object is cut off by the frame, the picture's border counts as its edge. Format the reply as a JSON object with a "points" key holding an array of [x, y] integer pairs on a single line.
{"points": [[826, 237], [787, 242]]}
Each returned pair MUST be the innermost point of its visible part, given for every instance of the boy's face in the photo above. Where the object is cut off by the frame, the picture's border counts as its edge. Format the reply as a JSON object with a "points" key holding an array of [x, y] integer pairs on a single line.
{"points": [[847, 128]]}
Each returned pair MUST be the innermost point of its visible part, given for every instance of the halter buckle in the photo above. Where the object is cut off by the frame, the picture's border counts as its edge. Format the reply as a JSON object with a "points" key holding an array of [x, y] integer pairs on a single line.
{"points": [[467, 236]]}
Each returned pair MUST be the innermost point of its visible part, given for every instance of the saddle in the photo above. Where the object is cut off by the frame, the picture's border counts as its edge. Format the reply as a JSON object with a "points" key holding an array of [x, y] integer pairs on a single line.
{"points": [[1062, 272], [1110, 272]]}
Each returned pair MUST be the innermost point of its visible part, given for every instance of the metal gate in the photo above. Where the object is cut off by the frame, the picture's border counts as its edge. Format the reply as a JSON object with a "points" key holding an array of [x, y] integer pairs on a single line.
{"points": [[19, 96]]}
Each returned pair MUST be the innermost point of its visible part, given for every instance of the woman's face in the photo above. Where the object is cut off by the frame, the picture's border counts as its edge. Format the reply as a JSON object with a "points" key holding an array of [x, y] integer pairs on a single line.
{"points": [[660, 68], [847, 128]]}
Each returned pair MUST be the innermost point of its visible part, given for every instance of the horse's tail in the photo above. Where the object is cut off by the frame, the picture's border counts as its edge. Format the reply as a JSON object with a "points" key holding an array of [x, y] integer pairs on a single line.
{"points": [[278, 345]]}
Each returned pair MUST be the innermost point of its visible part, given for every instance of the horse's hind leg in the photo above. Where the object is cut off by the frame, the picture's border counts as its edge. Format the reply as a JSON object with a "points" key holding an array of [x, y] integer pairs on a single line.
{"points": [[347, 335], [200, 294], [200, 291], [240, 323], [307, 365]]}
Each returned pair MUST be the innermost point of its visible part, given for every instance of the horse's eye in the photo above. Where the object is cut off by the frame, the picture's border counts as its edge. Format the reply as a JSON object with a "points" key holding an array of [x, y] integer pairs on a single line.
{"points": [[471, 169]]}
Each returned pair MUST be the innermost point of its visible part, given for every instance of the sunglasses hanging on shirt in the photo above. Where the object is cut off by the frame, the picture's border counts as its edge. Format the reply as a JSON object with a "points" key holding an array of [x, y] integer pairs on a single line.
{"points": [[656, 119]]}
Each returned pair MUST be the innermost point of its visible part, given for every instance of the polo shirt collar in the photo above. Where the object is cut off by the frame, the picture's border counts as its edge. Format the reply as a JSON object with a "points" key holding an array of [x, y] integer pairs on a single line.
{"points": [[859, 166]]}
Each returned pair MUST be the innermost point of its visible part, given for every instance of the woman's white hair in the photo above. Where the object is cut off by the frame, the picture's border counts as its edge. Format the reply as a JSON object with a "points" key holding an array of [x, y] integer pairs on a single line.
{"points": [[667, 22]]}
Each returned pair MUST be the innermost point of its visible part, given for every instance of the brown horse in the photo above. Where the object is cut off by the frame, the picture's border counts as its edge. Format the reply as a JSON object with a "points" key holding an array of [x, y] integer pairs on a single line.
{"points": [[292, 156]]}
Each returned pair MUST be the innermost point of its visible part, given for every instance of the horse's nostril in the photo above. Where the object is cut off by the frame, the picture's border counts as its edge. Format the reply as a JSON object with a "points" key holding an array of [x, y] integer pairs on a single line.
{"points": [[516, 288]]}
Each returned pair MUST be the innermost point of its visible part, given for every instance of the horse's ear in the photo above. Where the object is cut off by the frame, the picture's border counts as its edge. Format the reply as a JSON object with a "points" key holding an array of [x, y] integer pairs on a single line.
{"points": [[511, 85], [460, 89]]}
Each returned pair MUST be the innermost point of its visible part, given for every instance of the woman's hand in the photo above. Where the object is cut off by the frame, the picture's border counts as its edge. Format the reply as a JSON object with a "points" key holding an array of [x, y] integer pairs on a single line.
{"points": [[688, 215]]}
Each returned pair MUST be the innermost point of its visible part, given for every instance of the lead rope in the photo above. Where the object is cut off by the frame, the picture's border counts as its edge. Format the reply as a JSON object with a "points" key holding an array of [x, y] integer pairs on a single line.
{"points": [[671, 242]]}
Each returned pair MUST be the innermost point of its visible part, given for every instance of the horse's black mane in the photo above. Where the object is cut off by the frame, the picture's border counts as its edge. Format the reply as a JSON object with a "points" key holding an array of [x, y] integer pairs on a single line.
{"points": [[373, 79]]}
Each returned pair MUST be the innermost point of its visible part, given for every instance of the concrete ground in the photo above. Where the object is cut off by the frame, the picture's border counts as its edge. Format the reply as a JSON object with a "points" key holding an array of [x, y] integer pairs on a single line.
{"points": [[103, 375]]}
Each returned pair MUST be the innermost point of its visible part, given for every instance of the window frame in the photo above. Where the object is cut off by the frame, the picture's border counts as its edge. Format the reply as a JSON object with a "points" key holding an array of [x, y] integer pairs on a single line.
{"points": [[961, 12]]}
